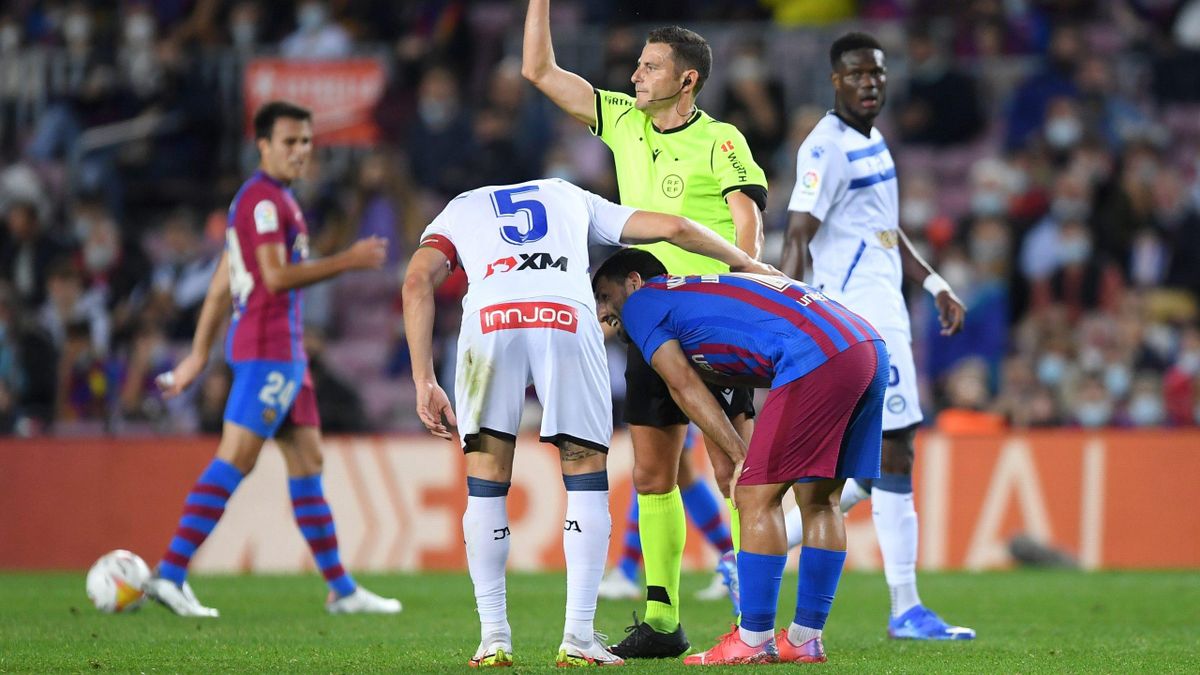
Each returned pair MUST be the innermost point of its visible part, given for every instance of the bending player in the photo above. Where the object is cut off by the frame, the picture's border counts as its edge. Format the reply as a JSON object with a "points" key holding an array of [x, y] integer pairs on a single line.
{"points": [[844, 210], [261, 273], [529, 316], [826, 368]]}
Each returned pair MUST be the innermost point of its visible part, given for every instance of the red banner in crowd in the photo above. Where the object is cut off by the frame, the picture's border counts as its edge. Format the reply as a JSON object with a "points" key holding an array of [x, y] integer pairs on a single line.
{"points": [[342, 95]]}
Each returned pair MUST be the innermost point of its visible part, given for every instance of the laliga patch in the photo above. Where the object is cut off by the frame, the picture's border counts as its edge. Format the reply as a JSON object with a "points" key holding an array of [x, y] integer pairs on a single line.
{"points": [[810, 180], [266, 218]]}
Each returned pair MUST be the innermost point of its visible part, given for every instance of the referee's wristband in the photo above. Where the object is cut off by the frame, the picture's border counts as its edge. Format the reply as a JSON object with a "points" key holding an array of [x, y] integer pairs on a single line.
{"points": [[934, 283]]}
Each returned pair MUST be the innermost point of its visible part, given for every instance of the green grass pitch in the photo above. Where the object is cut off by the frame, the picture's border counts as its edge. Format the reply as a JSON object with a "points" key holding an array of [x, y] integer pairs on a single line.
{"points": [[1028, 621]]}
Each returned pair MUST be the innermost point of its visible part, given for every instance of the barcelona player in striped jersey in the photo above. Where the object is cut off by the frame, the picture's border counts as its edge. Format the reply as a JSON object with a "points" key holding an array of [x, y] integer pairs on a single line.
{"points": [[260, 275], [827, 370]]}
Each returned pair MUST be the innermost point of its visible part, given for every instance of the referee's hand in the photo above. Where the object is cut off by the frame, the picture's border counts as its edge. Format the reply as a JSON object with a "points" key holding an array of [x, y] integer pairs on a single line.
{"points": [[756, 267]]}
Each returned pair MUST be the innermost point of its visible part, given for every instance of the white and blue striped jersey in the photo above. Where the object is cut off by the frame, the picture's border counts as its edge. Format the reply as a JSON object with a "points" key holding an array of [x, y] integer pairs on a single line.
{"points": [[848, 182]]}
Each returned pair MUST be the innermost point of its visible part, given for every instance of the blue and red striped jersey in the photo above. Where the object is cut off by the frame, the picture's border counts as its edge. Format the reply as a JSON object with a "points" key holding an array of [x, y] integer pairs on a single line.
{"points": [[744, 328], [265, 325]]}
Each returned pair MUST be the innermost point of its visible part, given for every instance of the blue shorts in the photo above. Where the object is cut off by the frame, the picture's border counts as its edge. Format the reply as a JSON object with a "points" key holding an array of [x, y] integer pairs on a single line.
{"points": [[264, 392]]}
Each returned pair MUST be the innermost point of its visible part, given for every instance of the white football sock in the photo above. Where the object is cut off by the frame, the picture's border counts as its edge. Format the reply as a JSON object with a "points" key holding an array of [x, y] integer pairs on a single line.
{"points": [[852, 493], [585, 545], [896, 529], [793, 522], [755, 638], [798, 634], [485, 530]]}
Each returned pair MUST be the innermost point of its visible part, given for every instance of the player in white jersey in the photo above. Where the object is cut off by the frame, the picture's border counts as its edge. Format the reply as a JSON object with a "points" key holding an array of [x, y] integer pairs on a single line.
{"points": [[844, 211], [529, 316]]}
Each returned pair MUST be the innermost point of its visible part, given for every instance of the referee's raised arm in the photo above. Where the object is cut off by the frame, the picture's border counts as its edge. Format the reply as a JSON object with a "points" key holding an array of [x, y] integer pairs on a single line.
{"points": [[569, 91]]}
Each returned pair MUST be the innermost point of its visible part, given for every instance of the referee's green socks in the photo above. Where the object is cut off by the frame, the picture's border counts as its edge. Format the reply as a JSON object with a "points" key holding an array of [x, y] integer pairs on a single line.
{"points": [[663, 528]]}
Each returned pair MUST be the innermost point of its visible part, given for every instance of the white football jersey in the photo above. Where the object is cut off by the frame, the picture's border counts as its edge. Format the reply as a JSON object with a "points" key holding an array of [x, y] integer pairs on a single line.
{"points": [[528, 240], [848, 182]]}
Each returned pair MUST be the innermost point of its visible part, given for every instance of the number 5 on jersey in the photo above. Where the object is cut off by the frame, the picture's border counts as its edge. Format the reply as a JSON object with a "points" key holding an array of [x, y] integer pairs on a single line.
{"points": [[507, 207]]}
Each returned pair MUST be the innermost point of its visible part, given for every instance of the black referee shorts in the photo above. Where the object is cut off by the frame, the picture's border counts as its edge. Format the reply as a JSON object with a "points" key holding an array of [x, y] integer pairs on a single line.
{"points": [[648, 401]]}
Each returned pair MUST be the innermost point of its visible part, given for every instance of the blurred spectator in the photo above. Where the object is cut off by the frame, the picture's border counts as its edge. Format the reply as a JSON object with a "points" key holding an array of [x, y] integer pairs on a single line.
{"points": [[339, 405], [1105, 112], [245, 26], [940, 105], [496, 160], [792, 13], [1040, 256], [1125, 207], [1056, 77], [317, 36], [1093, 405], [440, 142], [184, 267], [26, 252], [85, 378], [1145, 407], [754, 100], [68, 308], [382, 206]]}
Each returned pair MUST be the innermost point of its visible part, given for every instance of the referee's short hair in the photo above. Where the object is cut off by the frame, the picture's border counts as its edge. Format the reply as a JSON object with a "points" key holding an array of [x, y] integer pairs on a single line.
{"points": [[688, 47], [851, 42], [618, 266], [264, 118]]}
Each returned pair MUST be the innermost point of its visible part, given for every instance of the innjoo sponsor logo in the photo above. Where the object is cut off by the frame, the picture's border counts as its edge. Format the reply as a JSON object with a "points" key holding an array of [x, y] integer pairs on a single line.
{"points": [[528, 315]]}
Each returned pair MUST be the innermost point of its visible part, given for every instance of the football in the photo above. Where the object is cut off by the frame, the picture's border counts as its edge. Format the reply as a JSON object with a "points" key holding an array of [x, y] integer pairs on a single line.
{"points": [[114, 583]]}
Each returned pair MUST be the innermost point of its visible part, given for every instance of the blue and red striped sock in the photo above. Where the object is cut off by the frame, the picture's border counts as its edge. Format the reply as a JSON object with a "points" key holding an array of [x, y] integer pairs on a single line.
{"points": [[204, 506], [631, 554], [701, 505], [316, 524]]}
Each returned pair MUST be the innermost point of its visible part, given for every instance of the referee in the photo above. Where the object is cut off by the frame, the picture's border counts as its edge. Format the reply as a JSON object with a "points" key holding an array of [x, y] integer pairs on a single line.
{"points": [[674, 158]]}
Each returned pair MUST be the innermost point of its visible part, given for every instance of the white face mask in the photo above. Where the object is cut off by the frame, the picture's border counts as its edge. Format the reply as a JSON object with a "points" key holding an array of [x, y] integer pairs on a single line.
{"points": [[988, 203], [139, 30], [1051, 368], [1117, 379], [915, 214], [243, 33], [1146, 410], [99, 257], [10, 38], [1074, 250], [77, 27], [310, 17], [1092, 414], [1063, 132]]}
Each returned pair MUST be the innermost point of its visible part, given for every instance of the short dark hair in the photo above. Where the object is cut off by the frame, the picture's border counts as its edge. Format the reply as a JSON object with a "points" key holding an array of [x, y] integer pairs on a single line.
{"points": [[264, 119], [851, 42], [618, 266], [689, 48]]}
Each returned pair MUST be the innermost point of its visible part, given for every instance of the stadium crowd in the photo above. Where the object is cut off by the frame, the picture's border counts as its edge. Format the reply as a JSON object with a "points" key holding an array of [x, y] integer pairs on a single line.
{"points": [[1047, 153]]}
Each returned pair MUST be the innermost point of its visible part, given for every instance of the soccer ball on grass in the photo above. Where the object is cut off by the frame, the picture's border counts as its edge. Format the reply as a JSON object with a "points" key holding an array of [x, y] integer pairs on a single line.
{"points": [[114, 583]]}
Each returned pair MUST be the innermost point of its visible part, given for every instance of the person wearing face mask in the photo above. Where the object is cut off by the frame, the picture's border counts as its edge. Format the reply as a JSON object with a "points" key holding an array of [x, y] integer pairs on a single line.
{"points": [[941, 106], [1093, 405], [244, 20], [1076, 282], [316, 35], [1030, 101], [441, 140], [1146, 407], [1039, 256]]}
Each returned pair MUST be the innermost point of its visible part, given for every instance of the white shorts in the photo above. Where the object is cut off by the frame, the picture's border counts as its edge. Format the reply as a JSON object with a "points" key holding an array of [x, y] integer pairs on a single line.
{"points": [[552, 343], [901, 403]]}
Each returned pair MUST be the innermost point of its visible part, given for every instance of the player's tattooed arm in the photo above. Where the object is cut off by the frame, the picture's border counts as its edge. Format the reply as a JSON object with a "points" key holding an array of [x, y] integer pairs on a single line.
{"points": [[569, 91], [697, 402], [951, 310], [801, 229], [426, 271], [747, 223]]}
